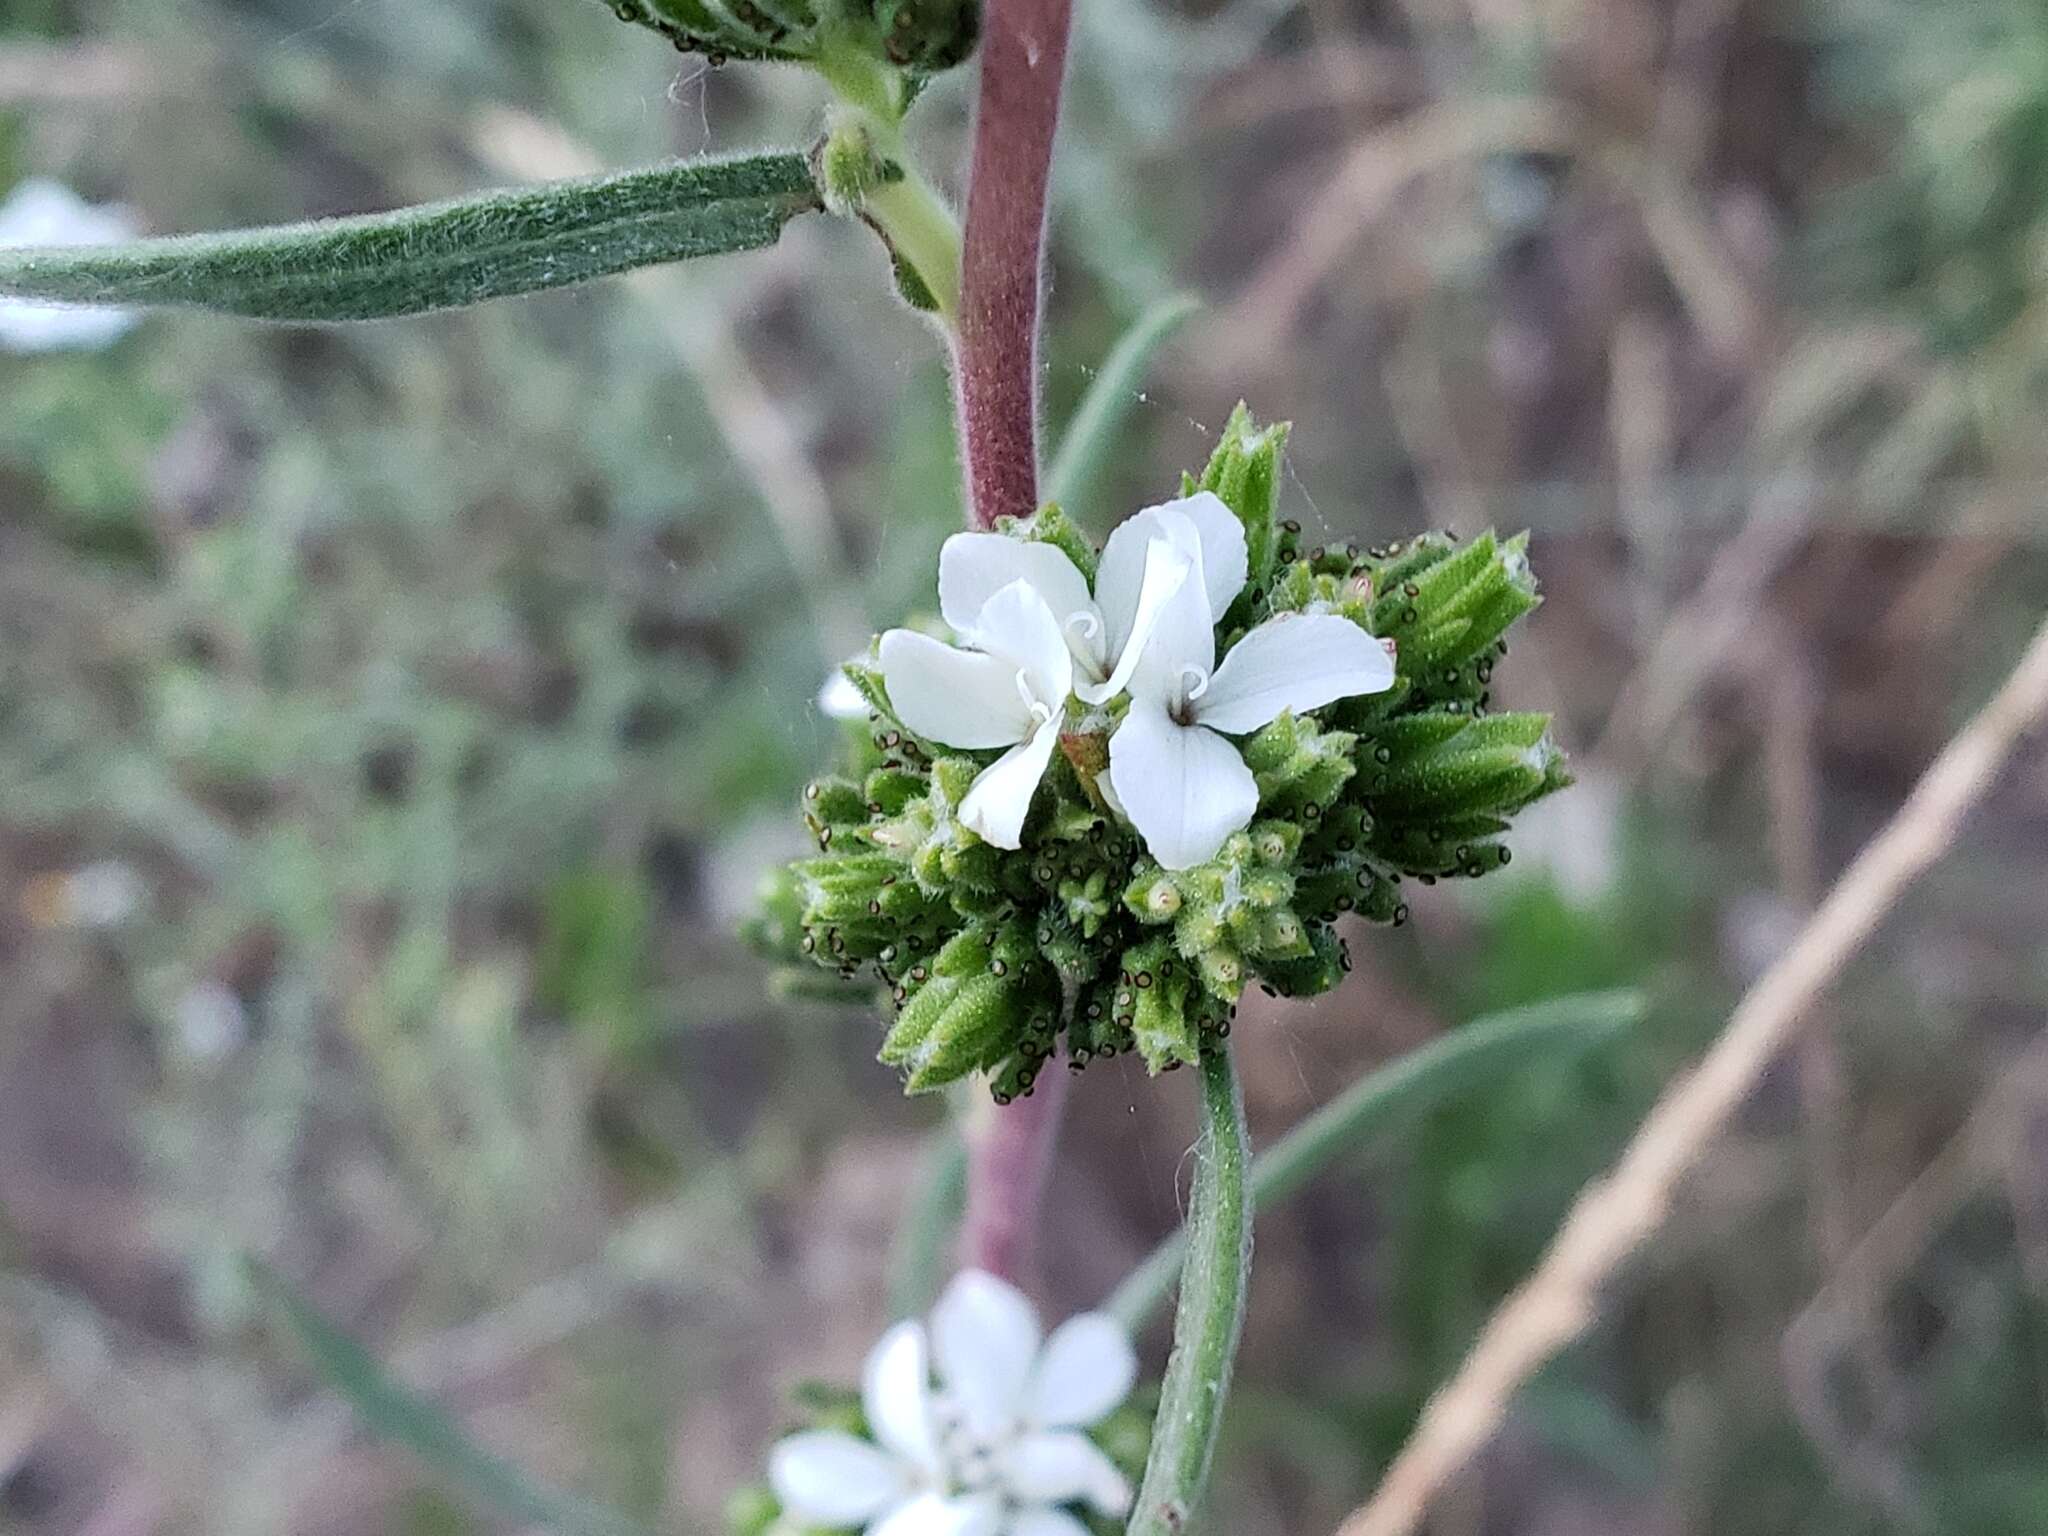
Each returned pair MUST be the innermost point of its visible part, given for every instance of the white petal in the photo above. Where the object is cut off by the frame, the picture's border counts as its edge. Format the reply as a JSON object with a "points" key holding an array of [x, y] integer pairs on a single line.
{"points": [[1121, 570], [1120, 575], [1168, 569], [985, 1335], [958, 698], [974, 567], [1044, 1522], [1016, 626], [931, 1515], [1184, 787], [896, 1392], [1108, 793], [40, 211], [1062, 1466], [1181, 651], [1000, 797], [1300, 662], [1225, 563], [43, 212], [828, 1478], [838, 699], [28, 327], [1086, 1369]]}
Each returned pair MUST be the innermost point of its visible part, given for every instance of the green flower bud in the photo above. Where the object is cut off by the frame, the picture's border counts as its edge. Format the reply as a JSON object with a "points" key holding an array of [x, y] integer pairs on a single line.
{"points": [[1222, 972], [1154, 897], [919, 37], [1315, 967], [1163, 1003], [1245, 472], [1275, 842], [1086, 902], [929, 36], [1298, 765], [835, 803]]}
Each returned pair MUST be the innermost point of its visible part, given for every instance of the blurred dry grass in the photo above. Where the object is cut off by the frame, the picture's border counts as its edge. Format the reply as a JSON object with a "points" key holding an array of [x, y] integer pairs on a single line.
{"points": [[442, 686]]}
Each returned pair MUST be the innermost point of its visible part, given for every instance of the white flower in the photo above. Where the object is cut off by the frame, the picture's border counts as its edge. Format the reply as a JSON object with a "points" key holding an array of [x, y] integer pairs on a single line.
{"points": [[1145, 562], [1038, 635], [838, 699], [42, 212], [1011, 692], [210, 1022], [993, 1448], [1181, 783]]}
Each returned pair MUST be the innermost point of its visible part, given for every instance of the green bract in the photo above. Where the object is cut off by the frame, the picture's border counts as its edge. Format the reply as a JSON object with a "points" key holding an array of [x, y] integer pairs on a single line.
{"points": [[994, 959], [921, 36]]}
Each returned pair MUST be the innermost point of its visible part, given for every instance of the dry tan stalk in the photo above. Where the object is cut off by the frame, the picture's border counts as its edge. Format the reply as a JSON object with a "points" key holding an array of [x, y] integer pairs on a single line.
{"points": [[1613, 1216]]}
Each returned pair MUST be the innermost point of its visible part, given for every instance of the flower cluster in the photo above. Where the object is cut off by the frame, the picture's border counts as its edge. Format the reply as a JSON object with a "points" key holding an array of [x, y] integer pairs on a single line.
{"points": [[1145, 778], [975, 1427], [922, 37]]}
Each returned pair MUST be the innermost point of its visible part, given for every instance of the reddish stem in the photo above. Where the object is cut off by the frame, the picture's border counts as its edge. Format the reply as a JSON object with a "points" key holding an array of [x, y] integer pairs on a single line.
{"points": [[1023, 66], [1009, 1162], [996, 371]]}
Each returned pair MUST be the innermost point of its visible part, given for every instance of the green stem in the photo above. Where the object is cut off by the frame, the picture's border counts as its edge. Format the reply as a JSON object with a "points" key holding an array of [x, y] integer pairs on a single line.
{"points": [[920, 228], [1210, 1318], [1480, 1052], [924, 1240], [909, 212]]}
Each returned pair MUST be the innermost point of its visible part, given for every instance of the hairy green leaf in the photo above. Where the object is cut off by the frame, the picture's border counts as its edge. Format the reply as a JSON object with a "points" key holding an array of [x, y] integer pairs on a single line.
{"points": [[441, 255], [1210, 1319], [389, 1410], [1479, 1052]]}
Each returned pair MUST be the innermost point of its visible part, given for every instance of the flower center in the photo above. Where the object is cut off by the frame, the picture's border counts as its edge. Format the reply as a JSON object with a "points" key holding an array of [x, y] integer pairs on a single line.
{"points": [[969, 1459], [1194, 682]]}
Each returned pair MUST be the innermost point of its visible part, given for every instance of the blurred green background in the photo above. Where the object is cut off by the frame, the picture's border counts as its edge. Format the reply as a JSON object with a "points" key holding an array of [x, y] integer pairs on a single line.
{"points": [[394, 723]]}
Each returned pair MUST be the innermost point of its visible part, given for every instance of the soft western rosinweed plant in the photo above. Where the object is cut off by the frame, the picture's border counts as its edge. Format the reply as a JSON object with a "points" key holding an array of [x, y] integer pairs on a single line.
{"points": [[1120, 786]]}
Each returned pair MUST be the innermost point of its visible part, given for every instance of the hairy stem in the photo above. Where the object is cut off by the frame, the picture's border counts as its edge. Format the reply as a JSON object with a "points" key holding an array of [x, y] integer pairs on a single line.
{"points": [[1454, 1063], [920, 229], [1009, 1159], [910, 214], [995, 375], [1023, 66], [1210, 1316]]}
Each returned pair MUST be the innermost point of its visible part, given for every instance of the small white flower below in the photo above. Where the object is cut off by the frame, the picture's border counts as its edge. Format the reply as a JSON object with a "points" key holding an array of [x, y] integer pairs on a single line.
{"points": [[976, 1425], [43, 212]]}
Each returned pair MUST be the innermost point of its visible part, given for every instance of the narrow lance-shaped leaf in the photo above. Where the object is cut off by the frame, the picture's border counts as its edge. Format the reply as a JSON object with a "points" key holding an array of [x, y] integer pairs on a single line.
{"points": [[389, 1410], [440, 255], [1483, 1051], [1091, 434], [924, 1240], [1206, 1328]]}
